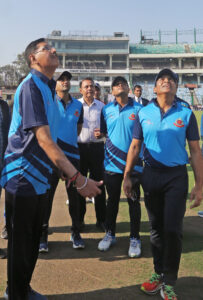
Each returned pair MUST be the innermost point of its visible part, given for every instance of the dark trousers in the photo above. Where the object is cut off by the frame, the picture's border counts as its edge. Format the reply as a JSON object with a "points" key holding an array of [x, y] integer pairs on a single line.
{"points": [[113, 182], [165, 200], [91, 160], [74, 205], [24, 218]]}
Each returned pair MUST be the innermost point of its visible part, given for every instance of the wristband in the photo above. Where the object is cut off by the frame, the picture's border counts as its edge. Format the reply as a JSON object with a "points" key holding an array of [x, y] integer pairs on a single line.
{"points": [[83, 186], [73, 179]]}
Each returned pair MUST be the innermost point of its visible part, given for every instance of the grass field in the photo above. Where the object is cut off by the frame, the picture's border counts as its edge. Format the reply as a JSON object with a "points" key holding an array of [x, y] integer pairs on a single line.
{"points": [[66, 274]]}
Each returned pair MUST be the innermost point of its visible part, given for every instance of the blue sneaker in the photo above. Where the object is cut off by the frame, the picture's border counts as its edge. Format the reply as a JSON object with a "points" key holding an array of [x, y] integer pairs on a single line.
{"points": [[200, 213], [43, 247], [32, 295], [107, 242], [6, 294], [78, 242]]}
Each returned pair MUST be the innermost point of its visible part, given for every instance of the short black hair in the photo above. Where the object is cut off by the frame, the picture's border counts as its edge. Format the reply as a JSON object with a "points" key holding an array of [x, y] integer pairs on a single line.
{"points": [[137, 86], [87, 78], [32, 47], [117, 80]]}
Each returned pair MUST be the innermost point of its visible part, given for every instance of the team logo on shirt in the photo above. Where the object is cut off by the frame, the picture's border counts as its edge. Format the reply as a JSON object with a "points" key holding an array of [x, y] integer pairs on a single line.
{"points": [[132, 117], [76, 113], [179, 123]]}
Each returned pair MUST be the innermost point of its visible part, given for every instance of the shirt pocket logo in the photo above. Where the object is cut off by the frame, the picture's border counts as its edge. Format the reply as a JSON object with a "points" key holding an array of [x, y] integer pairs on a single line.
{"points": [[179, 123]]}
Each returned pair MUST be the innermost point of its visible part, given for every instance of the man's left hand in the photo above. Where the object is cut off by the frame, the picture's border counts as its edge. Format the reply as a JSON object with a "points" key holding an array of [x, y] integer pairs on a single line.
{"points": [[196, 195]]}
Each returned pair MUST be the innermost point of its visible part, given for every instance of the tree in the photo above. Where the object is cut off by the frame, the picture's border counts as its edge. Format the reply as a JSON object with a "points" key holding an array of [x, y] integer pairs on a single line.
{"points": [[11, 74], [21, 65]]}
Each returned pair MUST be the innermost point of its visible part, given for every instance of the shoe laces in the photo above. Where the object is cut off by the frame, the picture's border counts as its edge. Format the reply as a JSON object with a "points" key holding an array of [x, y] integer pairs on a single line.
{"points": [[133, 242], [169, 291], [155, 277], [107, 236]]}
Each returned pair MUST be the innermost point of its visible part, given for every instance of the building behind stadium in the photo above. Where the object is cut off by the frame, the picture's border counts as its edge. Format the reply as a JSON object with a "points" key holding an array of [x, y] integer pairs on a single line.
{"points": [[105, 57]]}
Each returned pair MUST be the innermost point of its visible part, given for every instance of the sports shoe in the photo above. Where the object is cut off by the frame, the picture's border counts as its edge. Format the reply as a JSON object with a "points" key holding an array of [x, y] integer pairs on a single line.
{"points": [[78, 242], [6, 294], [4, 233], [167, 292], [32, 295], [43, 247], [135, 248], [153, 285], [107, 242], [200, 213]]}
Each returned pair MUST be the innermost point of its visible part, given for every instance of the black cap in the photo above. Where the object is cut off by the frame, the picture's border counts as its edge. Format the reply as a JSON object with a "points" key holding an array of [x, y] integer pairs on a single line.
{"points": [[117, 80], [66, 74], [167, 72]]}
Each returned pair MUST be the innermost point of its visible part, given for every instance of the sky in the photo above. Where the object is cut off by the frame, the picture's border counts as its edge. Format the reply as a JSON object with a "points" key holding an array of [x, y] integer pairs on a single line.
{"points": [[22, 21]]}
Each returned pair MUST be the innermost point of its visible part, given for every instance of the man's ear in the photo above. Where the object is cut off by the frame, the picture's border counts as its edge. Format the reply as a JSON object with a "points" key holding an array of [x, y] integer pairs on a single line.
{"points": [[32, 59], [154, 90]]}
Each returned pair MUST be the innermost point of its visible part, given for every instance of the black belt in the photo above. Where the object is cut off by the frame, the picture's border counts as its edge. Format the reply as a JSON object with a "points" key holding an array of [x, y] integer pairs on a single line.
{"points": [[91, 143]]}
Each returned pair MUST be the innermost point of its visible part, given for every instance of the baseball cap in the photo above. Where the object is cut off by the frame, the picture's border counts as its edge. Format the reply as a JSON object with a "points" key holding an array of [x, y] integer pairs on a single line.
{"points": [[167, 72], [66, 74], [117, 80], [97, 85]]}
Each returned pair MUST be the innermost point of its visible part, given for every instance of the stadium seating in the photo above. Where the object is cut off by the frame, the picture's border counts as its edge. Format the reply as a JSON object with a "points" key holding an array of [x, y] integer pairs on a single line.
{"points": [[156, 49]]}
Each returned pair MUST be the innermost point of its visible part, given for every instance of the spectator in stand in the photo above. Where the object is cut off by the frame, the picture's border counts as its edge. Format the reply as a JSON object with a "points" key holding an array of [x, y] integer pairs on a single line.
{"points": [[71, 118], [138, 95], [91, 148]]}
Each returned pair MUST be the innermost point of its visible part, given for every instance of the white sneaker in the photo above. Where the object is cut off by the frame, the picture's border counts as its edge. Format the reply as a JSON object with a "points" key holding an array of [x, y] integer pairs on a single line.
{"points": [[107, 241], [135, 248], [90, 200], [200, 213]]}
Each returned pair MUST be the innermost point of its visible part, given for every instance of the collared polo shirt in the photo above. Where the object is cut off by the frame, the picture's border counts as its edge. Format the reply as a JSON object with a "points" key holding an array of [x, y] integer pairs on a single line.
{"points": [[118, 123], [164, 134], [91, 120], [70, 116], [27, 168]]}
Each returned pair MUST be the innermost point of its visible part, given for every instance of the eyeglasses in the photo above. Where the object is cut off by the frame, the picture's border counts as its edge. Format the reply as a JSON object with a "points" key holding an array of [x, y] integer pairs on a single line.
{"points": [[45, 48]]}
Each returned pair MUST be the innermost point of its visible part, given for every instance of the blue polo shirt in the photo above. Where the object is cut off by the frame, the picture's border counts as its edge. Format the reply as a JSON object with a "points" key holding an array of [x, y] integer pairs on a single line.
{"points": [[118, 123], [164, 134], [70, 116], [27, 168]]}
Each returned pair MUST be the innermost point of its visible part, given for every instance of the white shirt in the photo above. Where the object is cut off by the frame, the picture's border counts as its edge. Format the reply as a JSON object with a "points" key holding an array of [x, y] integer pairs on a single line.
{"points": [[91, 120], [139, 100]]}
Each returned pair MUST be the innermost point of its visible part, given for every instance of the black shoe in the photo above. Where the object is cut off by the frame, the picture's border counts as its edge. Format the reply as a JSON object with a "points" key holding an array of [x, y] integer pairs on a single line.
{"points": [[4, 233], [2, 254], [101, 225]]}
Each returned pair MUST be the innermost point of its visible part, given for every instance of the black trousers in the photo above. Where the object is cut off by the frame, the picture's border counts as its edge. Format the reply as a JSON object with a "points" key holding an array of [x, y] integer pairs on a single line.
{"points": [[74, 205], [113, 182], [165, 199], [24, 218], [91, 160]]}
